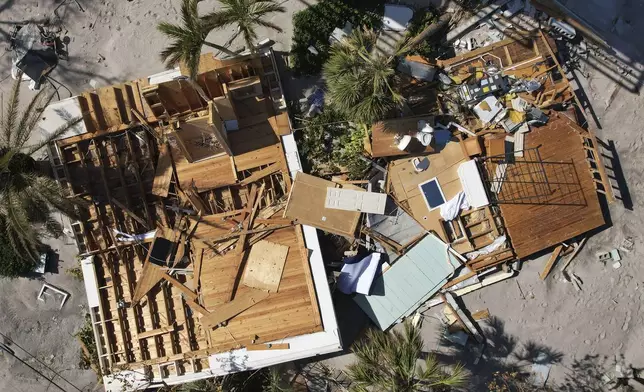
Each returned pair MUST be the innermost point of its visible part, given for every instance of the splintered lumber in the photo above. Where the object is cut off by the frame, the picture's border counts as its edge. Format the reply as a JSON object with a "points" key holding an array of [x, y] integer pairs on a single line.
{"points": [[268, 346], [258, 175], [574, 253], [197, 268], [175, 283], [150, 276], [481, 315], [225, 312], [130, 213], [265, 265], [464, 319], [163, 173], [551, 262], [155, 332]]}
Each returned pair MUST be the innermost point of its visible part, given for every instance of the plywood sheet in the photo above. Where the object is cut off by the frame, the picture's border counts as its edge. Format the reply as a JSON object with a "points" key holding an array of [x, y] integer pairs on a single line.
{"points": [[306, 206], [292, 311], [265, 265]]}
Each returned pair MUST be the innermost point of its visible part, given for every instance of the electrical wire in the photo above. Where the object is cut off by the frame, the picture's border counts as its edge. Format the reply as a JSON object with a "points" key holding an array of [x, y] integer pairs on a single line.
{"points": [[40, 362]]}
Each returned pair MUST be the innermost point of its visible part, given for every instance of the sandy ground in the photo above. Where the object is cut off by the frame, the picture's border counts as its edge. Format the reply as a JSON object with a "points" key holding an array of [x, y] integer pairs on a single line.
{"points": [[117, 41]]}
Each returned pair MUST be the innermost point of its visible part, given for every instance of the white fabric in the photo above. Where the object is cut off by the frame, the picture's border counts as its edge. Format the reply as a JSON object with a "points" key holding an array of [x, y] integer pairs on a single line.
{"points": [[125, 237], [358, 277], [472, 184], [488, 249], [451, 208]]}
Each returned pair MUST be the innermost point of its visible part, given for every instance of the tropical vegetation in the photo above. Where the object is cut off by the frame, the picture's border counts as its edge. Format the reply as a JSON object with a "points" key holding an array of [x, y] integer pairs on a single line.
{"points": [[29, 197], [362, 82], [189, 37], [313, 26], [329, 145], [390, 362]]}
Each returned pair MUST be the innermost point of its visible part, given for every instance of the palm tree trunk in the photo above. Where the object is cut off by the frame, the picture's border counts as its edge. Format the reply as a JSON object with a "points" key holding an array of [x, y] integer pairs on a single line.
{"points": [[199, 90], [219, 47], [430, 30]]}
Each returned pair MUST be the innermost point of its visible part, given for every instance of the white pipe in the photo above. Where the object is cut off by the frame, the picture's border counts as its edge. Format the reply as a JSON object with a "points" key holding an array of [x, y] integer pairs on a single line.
{"points": [[468, 289]]}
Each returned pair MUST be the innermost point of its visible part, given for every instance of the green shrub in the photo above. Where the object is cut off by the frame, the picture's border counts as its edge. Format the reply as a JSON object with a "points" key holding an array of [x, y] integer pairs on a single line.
{"points": [[328, 144], [313, 27]]}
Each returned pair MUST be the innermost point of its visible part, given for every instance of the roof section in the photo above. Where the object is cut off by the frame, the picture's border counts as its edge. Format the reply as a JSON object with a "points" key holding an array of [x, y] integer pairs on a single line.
{"points": [[413, 278], [306, 206], [572, 208]]}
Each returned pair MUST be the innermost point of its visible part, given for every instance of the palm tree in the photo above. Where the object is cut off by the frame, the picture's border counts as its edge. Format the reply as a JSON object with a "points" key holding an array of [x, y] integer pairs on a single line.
{"points": [[361, 81], [188, 39], [388, 362], [28, 198], [247, 15]]}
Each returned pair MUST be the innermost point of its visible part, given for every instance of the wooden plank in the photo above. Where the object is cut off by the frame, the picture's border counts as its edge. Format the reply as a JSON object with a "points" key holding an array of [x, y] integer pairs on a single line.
{"points": [[259, 174], [175, 283], [231, 309], [268, 346], [130, 213], [551, 262], [156, 332], [163, 173], [196, 270], [481, 315], [150, 276], [574, 253], [265, 265]]}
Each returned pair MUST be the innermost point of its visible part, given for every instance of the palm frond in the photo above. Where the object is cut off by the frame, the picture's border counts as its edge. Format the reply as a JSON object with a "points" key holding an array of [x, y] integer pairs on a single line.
{"points": [[60, 131], [10, 115], [31, 117], [360, 82], [388, 362]]}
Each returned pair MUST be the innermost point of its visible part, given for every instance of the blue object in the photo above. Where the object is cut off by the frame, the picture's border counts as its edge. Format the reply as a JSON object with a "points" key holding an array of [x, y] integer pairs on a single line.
{"points": [[433, 193], [412, 279]]}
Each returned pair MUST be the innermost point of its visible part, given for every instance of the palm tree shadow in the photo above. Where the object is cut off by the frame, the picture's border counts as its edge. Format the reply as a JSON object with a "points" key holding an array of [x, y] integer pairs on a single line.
{"points": [[502, 353]]}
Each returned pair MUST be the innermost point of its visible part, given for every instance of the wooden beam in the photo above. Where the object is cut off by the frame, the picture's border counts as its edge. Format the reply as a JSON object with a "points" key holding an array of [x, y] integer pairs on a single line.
{"points": [[156, 332], [551, 262], [259, 174], [163, 173], [175, 283], [129, 212], [231, 309], [150, 276], [268, 346], [246, 232], [574, 253], [139, 182]]}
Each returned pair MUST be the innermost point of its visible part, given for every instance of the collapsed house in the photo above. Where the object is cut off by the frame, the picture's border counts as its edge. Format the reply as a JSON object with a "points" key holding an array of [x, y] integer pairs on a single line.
{"points": [[499, 172], [191, 271]]}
